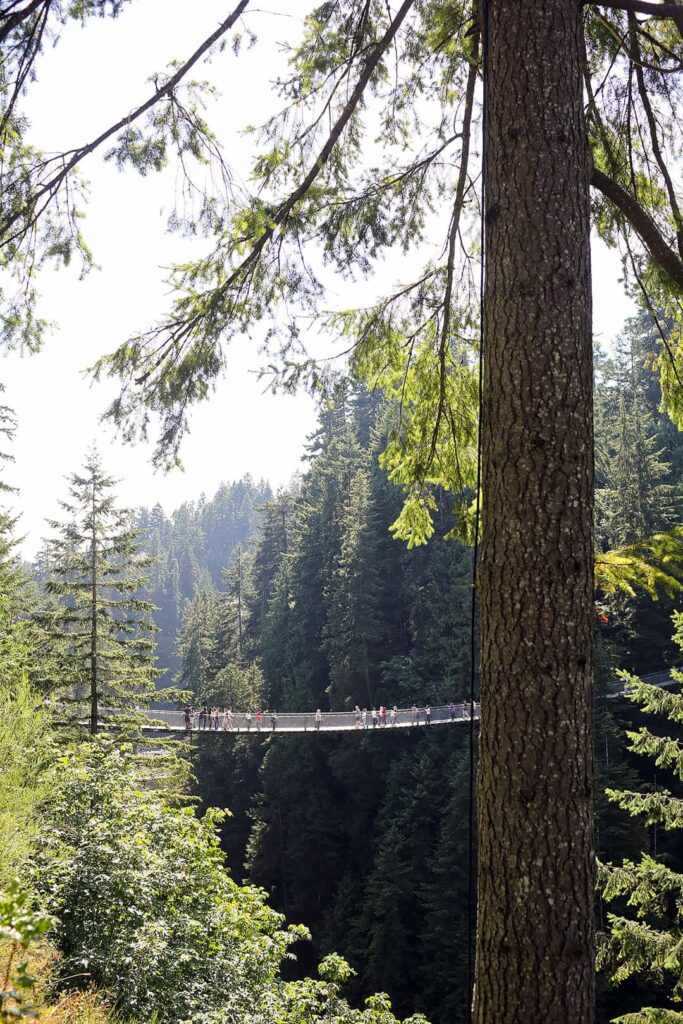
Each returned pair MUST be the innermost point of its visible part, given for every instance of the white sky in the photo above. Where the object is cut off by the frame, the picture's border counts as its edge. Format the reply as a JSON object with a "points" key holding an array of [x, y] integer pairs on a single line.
{"points": [[91, 78]]}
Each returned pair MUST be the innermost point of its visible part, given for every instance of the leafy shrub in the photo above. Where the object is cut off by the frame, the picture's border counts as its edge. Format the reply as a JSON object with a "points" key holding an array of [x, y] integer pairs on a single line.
{"points": [[145, 906], [20, 926]]}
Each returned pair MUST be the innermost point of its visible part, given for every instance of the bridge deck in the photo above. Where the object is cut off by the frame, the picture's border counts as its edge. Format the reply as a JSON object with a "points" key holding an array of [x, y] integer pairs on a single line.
{"points": [[332, 721]]}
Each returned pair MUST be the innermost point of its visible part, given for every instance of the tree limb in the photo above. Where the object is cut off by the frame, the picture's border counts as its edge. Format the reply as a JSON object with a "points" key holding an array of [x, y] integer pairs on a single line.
{"points": [[459, 203], [50, 186], [183, 329], [641, 222], [8, 22], [673, 11], [654, 135]]}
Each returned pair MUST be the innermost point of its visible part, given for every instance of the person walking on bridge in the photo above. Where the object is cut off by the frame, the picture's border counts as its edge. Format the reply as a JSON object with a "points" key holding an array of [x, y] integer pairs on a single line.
{"points": [[259, 718], [318, 719], [364, 717], [414, 715], [374, 718], [247, 719], [357, 715], [451, 711], [202, 718], [393, 716], [273, 720], [383, 716], [428, 715]]}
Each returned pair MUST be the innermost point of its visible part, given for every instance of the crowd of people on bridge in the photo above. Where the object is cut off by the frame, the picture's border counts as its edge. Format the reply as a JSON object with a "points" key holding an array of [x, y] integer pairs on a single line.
{"points": [[225, 720]]}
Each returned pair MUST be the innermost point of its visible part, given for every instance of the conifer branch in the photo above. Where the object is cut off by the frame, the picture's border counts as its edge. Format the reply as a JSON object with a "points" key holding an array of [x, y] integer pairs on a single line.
{"points": [[672, 11], [654, 136], [72, 157], [641, 222], [12, 21], [444, 340], [178, 332]]}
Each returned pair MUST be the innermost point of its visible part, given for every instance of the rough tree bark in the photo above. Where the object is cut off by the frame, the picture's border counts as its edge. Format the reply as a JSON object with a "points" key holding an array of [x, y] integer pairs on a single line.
{"points": [[535, 907]]}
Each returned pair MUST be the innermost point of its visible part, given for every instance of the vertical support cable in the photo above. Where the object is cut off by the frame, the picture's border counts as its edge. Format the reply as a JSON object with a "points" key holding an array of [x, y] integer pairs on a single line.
{"points": [[471, 880]]}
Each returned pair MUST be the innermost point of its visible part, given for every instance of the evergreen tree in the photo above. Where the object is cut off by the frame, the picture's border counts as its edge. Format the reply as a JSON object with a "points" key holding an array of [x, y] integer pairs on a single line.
{"points": [[22, 641], [191, 549], [637, 499], [279, 658], [312, 187], [272, 544], [645, 930], [354, 595], [196, 641], [102, 631], [233, 608]]}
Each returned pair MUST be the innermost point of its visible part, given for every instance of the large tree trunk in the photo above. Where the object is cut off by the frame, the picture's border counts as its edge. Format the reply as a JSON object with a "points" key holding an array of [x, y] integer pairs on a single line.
{"points": [[535, 917]]}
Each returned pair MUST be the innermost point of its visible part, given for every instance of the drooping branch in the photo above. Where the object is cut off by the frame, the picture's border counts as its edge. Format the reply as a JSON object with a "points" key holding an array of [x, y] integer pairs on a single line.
{"points": [[71, 159], [453, 235], [672, 11], [654, 136], [181, 331], [10, 21], [641, 222]]}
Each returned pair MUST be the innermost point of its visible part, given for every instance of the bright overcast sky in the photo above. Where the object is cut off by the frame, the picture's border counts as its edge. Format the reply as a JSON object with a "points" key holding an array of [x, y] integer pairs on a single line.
{"points": [[92, 77]]}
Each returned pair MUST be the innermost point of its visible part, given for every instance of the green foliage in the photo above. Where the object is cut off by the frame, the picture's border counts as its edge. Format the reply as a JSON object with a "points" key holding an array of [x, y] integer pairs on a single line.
{"points": [[191, 549], [353, 626], [145, 906], [652, 565], [196, 641], [147, 909], [639, 462], [646, 938], [27, 759], [369, 158], [651, 1016], [213, 641], [20, 926]]}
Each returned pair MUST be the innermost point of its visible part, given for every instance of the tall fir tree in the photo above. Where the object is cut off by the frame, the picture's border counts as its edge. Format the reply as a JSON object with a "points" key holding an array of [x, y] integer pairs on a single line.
{"points": [[637, 495], [644, 932], [102, 630], [24, 647], [196, 640], [354, 596]]}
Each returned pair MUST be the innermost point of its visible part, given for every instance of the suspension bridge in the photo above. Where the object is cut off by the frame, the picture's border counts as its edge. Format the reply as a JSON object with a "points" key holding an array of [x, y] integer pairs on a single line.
{"points": [[163, 720], [330, 721]]}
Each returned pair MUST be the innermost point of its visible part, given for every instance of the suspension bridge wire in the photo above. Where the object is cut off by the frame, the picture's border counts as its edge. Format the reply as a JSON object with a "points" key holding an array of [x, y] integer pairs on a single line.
{"points": [[472, 781]]}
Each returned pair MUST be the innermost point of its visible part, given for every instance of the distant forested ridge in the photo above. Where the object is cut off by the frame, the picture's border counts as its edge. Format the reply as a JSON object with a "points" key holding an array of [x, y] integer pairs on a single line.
{"points": [[191, 547]]}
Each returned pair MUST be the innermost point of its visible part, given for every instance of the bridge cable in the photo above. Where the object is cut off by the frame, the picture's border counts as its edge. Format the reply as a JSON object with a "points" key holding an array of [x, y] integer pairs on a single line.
{"points": [[471, 875]]}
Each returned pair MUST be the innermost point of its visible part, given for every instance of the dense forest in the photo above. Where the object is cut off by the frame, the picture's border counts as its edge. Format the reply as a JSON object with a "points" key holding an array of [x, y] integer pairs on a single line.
{"points": [[317, 606], [298, 600], [291, 601]]}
